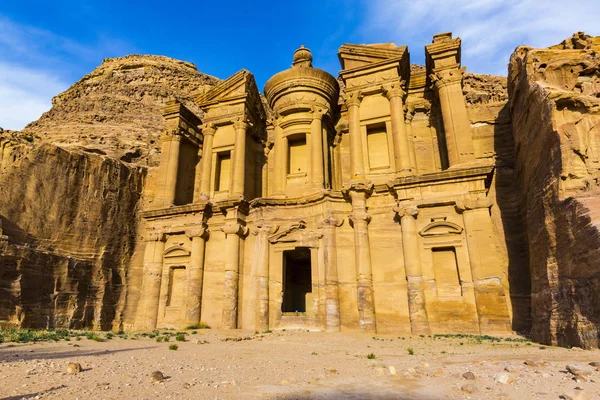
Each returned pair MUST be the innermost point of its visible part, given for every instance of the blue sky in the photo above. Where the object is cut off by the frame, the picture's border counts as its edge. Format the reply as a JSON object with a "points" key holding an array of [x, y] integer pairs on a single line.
{"points": [[45, 46]]}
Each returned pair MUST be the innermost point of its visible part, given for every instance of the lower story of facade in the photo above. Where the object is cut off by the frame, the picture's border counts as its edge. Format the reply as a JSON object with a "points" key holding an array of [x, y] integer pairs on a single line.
{"points": [[418, 257]]}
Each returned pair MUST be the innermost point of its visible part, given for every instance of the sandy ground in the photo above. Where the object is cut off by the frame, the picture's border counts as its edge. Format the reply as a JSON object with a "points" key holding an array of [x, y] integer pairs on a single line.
{"points": [[294, 365]]}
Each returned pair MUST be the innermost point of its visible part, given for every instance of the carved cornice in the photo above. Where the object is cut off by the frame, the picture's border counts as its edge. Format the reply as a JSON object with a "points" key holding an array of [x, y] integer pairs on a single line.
{"points": [[179, 122]]}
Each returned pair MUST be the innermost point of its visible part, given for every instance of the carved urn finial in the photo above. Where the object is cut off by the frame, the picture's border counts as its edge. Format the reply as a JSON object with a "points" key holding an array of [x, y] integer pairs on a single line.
{"points": [[302, 57]]}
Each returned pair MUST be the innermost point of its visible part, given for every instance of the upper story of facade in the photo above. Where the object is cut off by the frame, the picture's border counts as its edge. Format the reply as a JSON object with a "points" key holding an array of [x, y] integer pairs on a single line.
{"points": [[382, 122]]}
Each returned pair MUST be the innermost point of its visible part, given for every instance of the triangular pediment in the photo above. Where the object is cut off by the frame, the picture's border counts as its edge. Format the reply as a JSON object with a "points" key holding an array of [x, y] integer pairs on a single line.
{"points": [[354, 56], [233, 87]]}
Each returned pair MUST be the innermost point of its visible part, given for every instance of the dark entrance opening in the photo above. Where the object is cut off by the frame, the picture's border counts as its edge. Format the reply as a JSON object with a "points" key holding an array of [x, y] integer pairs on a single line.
{"points": [[297, 282]]}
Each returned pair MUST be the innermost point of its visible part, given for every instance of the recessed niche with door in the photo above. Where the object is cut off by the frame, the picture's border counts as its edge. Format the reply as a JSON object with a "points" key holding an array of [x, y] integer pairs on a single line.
{"points": [[297, 282]]}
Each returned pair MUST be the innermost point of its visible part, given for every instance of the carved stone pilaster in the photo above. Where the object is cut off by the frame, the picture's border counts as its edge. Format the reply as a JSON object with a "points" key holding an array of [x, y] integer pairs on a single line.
{"points": [[407, 213], [261, 260], [234, 230], [332, 301]]}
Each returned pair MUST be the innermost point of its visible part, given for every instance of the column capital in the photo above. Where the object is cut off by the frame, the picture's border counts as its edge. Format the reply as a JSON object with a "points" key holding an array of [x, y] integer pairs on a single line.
{"points": [[201, 232], [155, 237], [173, 134], [406, 211], [393, 90], [447, 77], [318, 112], [359, 216], [268, 229], [208, 129], [234, 228], [330, 222], [353, 99], [241, 124], [473, 202]]}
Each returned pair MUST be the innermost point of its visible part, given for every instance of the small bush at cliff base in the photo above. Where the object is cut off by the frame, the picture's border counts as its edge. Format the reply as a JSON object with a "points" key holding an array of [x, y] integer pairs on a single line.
{"points": [[180, 337], [371, 356], [411, 352], [173, 347]]}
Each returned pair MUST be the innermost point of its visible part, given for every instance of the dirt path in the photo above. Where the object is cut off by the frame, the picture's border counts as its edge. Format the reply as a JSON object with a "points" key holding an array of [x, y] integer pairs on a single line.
{"points": [[294, 365]]}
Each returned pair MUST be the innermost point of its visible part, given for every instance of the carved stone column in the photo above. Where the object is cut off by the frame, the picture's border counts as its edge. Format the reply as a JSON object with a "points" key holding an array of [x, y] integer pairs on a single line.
{"points": [[193, 303], [209, 135], [332, 300], [262, 266], [486, 265], [364, 276], [316, 139], [281, 161], [457, 127], [357, 164], [147, 308], [414, 273], [239, 159], [166, 181], [233, 232], [399, 136]]}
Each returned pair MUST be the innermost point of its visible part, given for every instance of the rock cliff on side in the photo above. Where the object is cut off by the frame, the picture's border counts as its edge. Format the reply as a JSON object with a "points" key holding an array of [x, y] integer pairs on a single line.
{"points": [[71, 185], [555, 108]]}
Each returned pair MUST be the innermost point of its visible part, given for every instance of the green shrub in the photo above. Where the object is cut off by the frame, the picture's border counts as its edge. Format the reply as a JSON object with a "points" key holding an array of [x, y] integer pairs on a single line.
{"points": [[371, 356], [411, 352], [97, 338], [173, 347], [180, 337], [203, 325]]}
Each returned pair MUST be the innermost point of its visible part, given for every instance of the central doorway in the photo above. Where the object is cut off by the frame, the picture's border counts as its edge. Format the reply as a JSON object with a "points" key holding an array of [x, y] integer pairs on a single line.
{"points": [[297, 282]]}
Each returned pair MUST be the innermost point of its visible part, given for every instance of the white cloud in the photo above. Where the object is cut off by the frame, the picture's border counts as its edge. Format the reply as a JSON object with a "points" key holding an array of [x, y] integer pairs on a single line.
{"points": [[36, 65], [490, 29], [25, 94]]}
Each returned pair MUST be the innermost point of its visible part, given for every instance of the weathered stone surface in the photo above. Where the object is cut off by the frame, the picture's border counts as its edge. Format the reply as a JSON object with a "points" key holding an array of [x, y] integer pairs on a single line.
{"points": [[69, 218], [115, 110], [487, 195], [579, 370], [74, 368], [555, 119]]}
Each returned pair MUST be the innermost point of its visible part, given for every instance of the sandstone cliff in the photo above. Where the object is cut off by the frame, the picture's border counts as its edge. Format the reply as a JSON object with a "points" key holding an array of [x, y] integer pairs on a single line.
{"points": [[71, 185], [71, 226], [556, 122], [115, 110]]}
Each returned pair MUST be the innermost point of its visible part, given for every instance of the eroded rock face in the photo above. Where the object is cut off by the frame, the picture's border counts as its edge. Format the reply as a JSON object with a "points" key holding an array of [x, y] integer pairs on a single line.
{"points": [[115, 110], [69, 227], [556, 123]]}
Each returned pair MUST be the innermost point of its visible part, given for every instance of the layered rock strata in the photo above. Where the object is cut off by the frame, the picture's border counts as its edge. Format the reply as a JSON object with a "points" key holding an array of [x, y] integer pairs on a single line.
{"points": [[555, 109]]}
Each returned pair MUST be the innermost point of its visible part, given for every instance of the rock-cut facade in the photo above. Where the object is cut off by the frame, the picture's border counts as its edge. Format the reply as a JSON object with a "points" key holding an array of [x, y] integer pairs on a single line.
{"points": [[365, 202]]}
